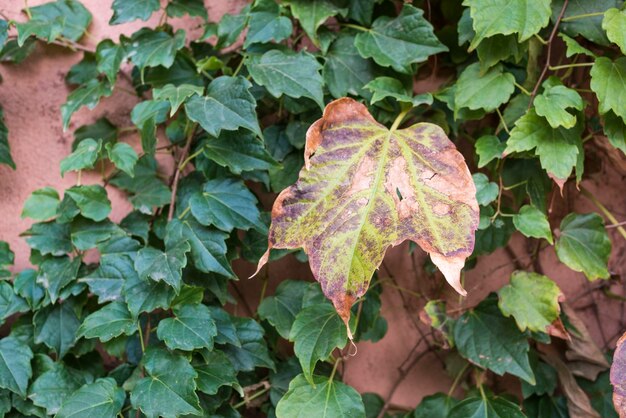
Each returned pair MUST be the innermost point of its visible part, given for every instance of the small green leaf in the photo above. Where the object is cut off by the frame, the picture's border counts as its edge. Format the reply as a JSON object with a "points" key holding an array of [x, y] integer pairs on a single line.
{"points": [[88, 94], [83, 71], [584, 245], [176, 95], [178, 8], [123, 156], [590, 26], [227, 105], [108, 322], [401, 41], [15, 368], [41, 204], [56, 273], [68, 18], [435, 406], [102, 129], [334, 398], [7, 258], [83, 157], [498, 48], [476, 90], [532, 299], [239, 151], [554, 102], [345, 71], [102, 399], [91, 200], [532, 222], [608, 81], [487, 406], [573, 47], [281, 309], [109, 56], [5, 149], [169, 388], [56, 327], [217, 371], [486, 191], [614, 23], [251, 352], [266, 24], [49, 238], [227, 204], [107, 280], [163, 266], [503, 17], [144, 295], [312, 13], [615, 130], [54, 386], [384, 87], [488, 148], [191, 328], [295, 74], [150, 48], [146, 188], [488, 339], [316, 332], [129, 10]]}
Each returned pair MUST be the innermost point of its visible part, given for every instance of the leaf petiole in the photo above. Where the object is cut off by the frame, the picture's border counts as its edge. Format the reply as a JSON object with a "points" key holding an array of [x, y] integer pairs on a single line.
{"points": [[582, 16]]}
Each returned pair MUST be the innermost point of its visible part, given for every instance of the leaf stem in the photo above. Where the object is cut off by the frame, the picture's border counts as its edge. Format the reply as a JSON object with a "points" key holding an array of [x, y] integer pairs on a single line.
{"points": [[562, 67], [353, 26], [604, 210], [332, 374], [523, 90], [582, 16], [399, 119], [502, 121], [143, 347], [185, 212], [457, 379], [251, 398], [179, 169], [243, 58]]}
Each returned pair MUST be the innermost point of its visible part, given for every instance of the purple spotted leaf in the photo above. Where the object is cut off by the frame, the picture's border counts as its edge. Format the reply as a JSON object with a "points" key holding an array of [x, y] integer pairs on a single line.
{"points": [[365, 188]]}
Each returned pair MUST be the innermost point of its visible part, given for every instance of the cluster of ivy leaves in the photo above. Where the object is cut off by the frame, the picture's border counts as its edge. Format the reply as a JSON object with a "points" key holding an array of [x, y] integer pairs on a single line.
{"points": [[144, 331]]}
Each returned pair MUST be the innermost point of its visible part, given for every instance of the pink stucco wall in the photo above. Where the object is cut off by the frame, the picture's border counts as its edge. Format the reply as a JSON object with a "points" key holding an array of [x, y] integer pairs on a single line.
{"points": [[32, 93]]}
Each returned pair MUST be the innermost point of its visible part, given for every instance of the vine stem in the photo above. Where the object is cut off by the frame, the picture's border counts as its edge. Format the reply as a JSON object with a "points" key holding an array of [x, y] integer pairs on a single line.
{"points": [[548, 54], [179, 168], [605, 210], [253, 397]]}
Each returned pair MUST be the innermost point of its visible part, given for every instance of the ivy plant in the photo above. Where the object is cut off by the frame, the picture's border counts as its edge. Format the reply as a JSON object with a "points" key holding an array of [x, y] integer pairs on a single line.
{"points": [[320, 103]]}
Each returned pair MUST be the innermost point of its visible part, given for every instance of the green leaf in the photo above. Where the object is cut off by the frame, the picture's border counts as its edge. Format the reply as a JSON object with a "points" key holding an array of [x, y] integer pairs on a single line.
{"points": [[5, 149], [163, 266], [554, 102], [102, 129], [488, 339], [435, 406], [608, 81], [169, 388], [108, 279], [208, 246], [613, 23], [486, 191], [41, 204], [109, 56], [345, 71], [147, 189], [313, 13], [143, 295], [498, 48], [504, 17], [488, 148], [295, 74], [107, 323], [178, 8], [176, 95], [239, 151], [265, 24], [401, 41], [281, 309], [487, 406], [91, 200], [215, 372], [584, 245], [102, 399], [14, 53], [558, 149], [88, 94], [316, 332], [589, 27], [129, 10], [83, 71], [476, 90], [67, 18], [56, 273], [334, 398], [532, 222], [56, 327], [146, 115], [227, 204], [7, 258], [15, 369], [83, 157], [573, 47], [49, 238], [615, 130], [123, 156], [10, 303], [532, 299], [191, 328], [227, 105], [54, 386], [252, 350], [150, 48], [229, 28], [384, 87]]}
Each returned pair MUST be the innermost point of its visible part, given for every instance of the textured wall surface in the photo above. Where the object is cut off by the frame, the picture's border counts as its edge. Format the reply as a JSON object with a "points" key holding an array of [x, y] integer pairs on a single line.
{"points": [[31, 95]]}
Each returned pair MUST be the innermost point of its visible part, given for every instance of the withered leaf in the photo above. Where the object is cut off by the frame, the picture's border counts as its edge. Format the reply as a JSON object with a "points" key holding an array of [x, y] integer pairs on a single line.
{"points": [[618, 377], [365, 188]]}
